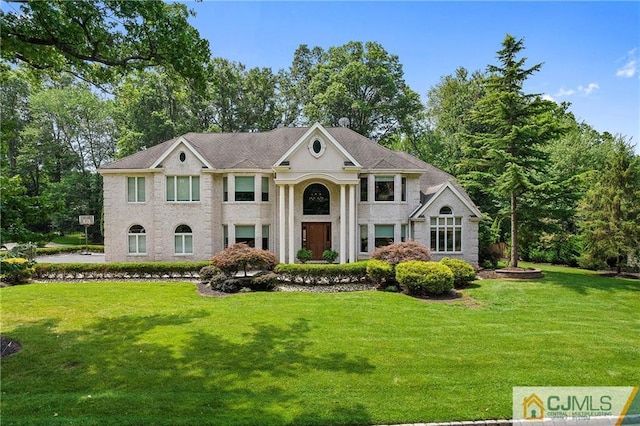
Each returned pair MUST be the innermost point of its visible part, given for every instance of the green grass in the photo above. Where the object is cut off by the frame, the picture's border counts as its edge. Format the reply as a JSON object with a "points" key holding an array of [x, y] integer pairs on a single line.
{"points": [[142, 353], [74, 239]]}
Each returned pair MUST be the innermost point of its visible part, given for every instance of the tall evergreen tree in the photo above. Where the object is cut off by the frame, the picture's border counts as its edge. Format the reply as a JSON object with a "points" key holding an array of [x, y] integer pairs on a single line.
{"points": [[610, 212], [504, 157]]}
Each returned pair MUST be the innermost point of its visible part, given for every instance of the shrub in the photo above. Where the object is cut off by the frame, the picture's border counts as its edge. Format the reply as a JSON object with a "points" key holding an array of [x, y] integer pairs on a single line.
{"points": [[117, 269], [241, 257], [379, 271], [207, 272], [264, 281], [26, 251], [463, 272], [222, 282], [16, 270], [330, 255], [420, 278], [319, 274], [304, 255], [401, 252]]}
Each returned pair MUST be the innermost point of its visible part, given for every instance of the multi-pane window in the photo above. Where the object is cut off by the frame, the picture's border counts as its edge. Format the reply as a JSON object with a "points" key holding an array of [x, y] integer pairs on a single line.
{"points": [[183, 188], [446, 232], [384, 188], [183, 240], [384, 235], [265, 237], [364, 189], [135, 189], [225, 189], [245, 188], [316, 200], [265, 188], [246, 234], [225, 234], [404, 189], [137, 240], [364, 238]]}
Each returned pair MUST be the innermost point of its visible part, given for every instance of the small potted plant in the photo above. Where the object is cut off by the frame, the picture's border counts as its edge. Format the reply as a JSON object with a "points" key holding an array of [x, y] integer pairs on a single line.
{"points": [[330, 255], [304, 255]]}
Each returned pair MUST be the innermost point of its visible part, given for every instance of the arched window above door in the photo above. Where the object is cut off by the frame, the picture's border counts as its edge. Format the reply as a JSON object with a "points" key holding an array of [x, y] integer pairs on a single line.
{"points": [[316, 200]]}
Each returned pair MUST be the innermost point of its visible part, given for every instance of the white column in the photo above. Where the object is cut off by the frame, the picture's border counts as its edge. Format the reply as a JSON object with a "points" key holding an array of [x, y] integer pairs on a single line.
{"points": [[343, 225], [281, 224], [292, 257], [352, 223]]}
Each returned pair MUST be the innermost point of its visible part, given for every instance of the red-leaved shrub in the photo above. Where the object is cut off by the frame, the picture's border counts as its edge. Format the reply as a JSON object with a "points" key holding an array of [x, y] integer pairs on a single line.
{"points": [[402, 252], [241, 257]]}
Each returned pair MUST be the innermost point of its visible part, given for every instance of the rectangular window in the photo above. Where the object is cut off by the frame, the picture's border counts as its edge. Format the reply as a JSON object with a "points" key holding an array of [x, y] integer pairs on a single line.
{"points": [[384, 188], [446, 234], [265, 188], [183, 244], [183, 188], [245, 189], [404, 189], [225, 189], [225, 236], [364, 189], [265, 237], [135, 189], [364, 238], [138, 244], [403, 233], [384, 235], [246, 234]]}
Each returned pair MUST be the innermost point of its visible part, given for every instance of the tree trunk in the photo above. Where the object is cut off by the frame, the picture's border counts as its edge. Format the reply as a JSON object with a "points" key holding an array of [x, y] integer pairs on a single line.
{"points": [[514, 232]]}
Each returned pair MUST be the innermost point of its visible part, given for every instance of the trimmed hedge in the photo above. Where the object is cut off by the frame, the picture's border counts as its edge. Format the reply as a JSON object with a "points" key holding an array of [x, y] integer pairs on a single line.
{"points": [[421, 278], [379, 271], [15, 270], [322, 274], [46, 251], [118, 270]]}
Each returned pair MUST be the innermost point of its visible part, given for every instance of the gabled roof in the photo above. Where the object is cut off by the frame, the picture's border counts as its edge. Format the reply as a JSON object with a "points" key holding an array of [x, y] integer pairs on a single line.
{"points": [[264, 149]]}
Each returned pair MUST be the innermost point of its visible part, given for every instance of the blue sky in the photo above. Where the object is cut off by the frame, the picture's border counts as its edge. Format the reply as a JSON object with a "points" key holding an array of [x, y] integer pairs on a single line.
{"points": [[590, 50]]}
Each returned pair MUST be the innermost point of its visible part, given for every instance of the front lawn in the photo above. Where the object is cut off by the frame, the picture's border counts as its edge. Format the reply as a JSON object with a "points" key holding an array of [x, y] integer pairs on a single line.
{"points": [[158, 353]]}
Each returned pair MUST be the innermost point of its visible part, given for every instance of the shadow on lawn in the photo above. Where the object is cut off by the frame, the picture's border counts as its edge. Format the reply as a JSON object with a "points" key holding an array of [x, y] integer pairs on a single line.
{"points": [[585, 283], [147, 370]]}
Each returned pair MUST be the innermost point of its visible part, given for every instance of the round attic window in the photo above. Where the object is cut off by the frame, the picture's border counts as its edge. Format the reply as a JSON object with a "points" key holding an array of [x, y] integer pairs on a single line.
{"points": [[183, 157], [316, 147]]}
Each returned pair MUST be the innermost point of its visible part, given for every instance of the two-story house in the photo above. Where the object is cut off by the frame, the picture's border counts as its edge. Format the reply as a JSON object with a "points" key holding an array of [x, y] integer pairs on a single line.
{"points": [[290, 188]]}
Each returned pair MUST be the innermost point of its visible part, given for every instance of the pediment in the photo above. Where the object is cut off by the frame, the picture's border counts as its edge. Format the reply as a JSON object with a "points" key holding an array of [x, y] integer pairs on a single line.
{"points": [[317, 151], [173, 154]]}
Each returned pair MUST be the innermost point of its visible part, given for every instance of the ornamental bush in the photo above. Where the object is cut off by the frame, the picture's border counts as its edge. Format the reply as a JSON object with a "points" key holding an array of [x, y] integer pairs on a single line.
{"points": [[208, 272], [304, 255], [379, 271], [463, 272], [241, 257], [401, 252], [421, 278], [322, 273], [330, 255], [16, 270]]}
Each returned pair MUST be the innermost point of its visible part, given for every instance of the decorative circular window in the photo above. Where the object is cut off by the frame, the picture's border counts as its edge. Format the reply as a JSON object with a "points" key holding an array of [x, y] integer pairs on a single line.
{"points": [[183, 157], [316, 147]]}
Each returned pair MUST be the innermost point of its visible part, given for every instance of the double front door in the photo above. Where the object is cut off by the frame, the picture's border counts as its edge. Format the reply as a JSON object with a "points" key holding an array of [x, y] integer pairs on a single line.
{"points": [[316, 236]]}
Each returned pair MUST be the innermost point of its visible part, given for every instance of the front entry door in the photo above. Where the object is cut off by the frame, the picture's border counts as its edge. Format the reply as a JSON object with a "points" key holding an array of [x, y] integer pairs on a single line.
{"points": [[316, 236]]}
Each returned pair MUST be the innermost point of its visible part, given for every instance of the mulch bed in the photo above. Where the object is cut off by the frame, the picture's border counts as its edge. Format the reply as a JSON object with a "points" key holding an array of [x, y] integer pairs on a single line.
{"points": [[8, 346]]}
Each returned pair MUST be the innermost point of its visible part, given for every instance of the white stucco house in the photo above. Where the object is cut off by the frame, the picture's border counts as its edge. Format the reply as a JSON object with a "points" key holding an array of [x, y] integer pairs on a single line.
{"points": [[318, 188]]}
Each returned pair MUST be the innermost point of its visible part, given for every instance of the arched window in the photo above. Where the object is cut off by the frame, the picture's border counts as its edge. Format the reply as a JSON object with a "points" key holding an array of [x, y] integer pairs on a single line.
{"points": [[446, 232], [316, 200], [183, 240], [137, 240], [446, 210]]}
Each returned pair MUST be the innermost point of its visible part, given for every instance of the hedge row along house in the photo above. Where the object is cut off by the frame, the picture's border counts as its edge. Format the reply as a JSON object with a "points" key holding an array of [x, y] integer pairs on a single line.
{"points": [[290, 188]]}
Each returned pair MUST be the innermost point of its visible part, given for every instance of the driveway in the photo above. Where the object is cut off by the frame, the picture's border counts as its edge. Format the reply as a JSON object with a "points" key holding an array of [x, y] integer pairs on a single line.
{"points": [[72, 258]]}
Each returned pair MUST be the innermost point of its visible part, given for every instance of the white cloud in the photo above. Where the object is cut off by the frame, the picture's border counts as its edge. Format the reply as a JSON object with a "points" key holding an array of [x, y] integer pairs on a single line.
{"points": [[590, 88], [547, 97], [563, 92], [630, 68]]}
